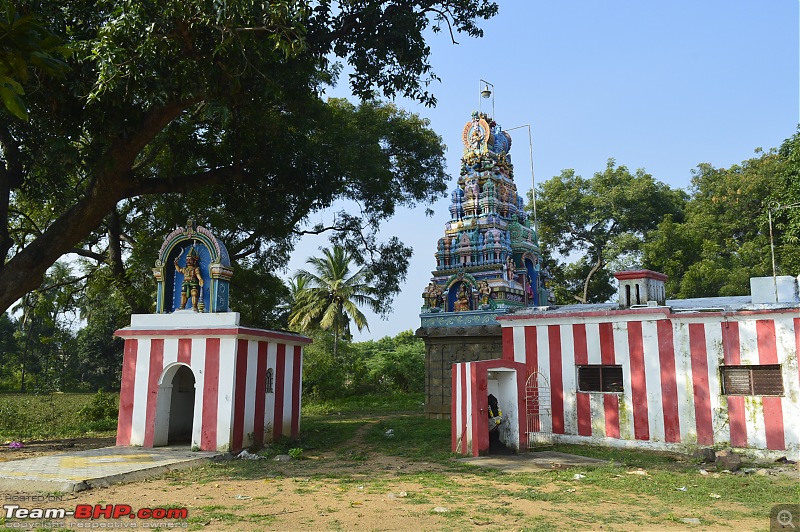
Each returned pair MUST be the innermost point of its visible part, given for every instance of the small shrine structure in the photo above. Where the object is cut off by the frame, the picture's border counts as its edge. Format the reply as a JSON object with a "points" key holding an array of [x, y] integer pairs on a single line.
{"points": [[191, 374], [487, 263]]}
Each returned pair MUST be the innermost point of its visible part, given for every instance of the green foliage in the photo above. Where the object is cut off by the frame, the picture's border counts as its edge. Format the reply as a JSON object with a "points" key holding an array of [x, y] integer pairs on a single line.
{"points": [[259, 295], [25, 46], [394, 364], [45, 333], [330, 296], [103, 406], [217, 111], [605, 219], [296, 453], [323, 375], [10, 353], [569, 280], [724, 238], [43, 416], [386, 366]]}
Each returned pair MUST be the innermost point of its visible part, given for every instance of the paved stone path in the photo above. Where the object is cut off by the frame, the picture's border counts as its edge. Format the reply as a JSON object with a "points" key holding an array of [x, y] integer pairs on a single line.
{"points": [[81, 470], [530, 462]]}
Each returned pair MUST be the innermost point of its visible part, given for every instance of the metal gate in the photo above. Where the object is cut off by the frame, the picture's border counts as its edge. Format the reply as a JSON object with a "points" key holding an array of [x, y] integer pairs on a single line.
{"points": [[538, 412]]}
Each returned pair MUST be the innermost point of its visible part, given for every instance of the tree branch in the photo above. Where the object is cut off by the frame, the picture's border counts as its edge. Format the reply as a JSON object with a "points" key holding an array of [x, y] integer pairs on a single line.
{"points": [[184, 183], [99, 257], [68, 282]]}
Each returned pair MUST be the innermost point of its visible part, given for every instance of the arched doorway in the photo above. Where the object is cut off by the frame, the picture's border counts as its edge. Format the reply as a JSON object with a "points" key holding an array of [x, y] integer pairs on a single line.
{"points": [[175, 407]]}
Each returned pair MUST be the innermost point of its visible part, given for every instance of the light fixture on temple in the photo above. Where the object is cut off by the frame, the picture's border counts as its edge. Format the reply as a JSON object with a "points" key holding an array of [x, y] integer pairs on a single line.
{"points": [[486, 93]]}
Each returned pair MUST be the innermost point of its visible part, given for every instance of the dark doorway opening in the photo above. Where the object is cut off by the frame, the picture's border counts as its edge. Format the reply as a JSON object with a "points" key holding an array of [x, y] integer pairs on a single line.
{"points": [[181, 409]]}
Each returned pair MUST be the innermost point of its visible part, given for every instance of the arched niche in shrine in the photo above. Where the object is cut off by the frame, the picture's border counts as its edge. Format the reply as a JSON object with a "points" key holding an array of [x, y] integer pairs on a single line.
{"points": [[178, 287]]}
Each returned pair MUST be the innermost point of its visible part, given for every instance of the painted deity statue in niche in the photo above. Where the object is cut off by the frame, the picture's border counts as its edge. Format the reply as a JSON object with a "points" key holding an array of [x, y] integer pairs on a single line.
{"points": [[192, 280], [463, 297]]}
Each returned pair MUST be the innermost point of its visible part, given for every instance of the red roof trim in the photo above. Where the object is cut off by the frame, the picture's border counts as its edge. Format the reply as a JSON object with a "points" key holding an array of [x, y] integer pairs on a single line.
{"points": [[222, 331], [640, 274]]}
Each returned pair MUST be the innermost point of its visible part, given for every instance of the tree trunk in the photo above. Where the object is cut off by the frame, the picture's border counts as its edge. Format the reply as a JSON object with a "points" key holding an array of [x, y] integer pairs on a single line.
{"points": [[594, 269], [117, 265]]}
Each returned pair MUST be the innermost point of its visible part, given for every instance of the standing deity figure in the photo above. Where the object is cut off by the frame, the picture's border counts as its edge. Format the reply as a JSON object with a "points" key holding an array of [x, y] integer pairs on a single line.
{"points": [[192, 279], [510, 268], [485, 291], [434, 295]]}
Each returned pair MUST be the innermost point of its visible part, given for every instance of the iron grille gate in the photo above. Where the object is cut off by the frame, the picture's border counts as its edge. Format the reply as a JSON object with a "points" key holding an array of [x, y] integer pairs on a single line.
{"points": [[538, 412]]}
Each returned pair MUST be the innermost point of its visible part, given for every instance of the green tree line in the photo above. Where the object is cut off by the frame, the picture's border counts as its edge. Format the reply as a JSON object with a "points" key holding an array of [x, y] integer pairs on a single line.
{"points": [[709, 239]]}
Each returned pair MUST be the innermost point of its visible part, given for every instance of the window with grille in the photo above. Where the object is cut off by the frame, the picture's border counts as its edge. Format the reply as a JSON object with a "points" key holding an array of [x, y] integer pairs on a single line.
{"points": [[752, 380], [270, 381], [599, 378]]}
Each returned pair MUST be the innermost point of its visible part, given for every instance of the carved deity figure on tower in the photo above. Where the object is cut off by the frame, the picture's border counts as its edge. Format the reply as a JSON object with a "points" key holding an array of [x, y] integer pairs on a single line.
{"points": [[433, 295], [485, 291], [462, 298], [510, 269], [192, 279]]}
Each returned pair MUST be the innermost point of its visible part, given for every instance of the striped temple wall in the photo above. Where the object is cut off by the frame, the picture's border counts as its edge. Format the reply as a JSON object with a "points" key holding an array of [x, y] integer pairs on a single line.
{"points": [[672, 394], [231, 366]]}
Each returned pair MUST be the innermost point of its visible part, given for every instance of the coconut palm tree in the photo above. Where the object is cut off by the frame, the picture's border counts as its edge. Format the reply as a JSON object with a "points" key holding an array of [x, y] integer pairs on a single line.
{"points": [[327, 297]]}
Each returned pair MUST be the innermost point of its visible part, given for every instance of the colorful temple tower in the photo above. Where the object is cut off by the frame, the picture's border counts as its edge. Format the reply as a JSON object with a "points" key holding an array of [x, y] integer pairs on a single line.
{"points": [[487, 262]]}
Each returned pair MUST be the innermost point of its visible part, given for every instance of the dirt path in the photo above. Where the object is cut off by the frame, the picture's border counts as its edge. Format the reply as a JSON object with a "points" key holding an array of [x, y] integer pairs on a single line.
{"points": [[352, 487]]}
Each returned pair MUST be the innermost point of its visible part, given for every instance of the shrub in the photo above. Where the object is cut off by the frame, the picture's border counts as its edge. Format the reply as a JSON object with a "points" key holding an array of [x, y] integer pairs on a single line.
{"points": [[102, 407]]}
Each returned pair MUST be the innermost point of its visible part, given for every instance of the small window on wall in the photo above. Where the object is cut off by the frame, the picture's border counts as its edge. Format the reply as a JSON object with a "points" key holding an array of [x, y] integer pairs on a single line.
{"points": [[752, 380], [599, 378], [270, 381]]}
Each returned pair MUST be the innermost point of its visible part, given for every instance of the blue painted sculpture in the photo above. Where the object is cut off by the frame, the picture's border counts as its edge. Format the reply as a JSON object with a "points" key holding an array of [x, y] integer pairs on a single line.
{"points": [[193, 269]]}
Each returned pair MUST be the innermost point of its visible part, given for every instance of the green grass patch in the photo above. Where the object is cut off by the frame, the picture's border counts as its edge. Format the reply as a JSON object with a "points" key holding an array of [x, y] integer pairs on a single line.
{"points": [[376, 404], [415, 437], [37, 417]]}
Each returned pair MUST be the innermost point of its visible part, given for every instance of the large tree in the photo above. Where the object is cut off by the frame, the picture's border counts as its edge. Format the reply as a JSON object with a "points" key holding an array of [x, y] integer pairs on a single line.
{"points": [[602, 220], [217, 110]]}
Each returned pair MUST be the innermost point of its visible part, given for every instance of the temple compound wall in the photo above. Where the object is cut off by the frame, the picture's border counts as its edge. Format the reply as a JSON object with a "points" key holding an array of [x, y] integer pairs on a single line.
{"points": [[713, 372]]}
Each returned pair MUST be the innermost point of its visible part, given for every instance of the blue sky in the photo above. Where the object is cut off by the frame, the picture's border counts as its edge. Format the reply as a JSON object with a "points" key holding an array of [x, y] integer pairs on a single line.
{"points": [[657, 85]]}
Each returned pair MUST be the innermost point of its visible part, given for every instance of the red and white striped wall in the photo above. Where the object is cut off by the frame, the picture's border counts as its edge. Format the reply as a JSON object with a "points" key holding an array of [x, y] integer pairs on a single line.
{"points": [[472, 383], [232, 409], [672, 397]]}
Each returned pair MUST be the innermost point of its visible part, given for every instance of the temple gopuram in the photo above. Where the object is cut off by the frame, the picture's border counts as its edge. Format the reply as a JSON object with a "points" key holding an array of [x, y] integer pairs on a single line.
{"points": [[487, 262]]}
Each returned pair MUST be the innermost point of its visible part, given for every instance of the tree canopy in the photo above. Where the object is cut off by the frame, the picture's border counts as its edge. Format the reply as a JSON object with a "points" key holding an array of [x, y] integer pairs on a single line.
{"points": [[216, 110], [603, 219], [724, 239]]}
